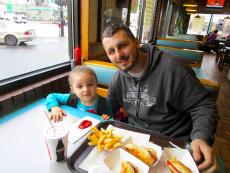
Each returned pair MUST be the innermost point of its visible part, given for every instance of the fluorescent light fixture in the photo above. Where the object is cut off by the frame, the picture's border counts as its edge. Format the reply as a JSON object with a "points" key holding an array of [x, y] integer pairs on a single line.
{"points": [[191, 9]]}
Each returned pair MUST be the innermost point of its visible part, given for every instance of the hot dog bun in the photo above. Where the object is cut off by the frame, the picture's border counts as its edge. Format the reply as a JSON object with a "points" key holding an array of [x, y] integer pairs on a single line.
{"points": [[153, 154], [175, 166], [146, 155], [127, 167]]}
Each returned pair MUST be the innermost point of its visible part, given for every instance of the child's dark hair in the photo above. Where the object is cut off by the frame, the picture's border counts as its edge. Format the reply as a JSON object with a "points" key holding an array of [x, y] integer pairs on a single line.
{"points": [[114, 28], [81, 69]]}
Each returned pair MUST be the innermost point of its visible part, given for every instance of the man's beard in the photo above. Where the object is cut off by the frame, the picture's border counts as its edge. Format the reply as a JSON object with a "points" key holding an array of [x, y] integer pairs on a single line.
{"points": [[134, 61]]}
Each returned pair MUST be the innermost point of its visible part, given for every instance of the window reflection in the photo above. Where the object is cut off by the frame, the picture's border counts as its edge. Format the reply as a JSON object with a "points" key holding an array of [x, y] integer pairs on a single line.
{"points": [[115, 11], [141, 19]]}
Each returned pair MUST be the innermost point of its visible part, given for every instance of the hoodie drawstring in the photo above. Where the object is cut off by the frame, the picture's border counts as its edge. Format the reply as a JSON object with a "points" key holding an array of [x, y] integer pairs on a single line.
{"points": [[138, 100]]}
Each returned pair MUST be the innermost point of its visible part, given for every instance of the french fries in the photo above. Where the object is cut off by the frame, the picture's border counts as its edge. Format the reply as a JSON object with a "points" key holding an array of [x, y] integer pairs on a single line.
{"points": [[104, 139]]}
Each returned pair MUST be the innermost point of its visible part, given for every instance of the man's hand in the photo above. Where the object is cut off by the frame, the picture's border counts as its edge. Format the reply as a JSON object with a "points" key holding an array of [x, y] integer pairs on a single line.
{"points": [[57, 114], [204, 156]]}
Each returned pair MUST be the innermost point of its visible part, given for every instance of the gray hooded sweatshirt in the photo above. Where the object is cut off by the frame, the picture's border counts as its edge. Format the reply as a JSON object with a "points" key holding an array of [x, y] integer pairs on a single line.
{"points": [[167, 98]]}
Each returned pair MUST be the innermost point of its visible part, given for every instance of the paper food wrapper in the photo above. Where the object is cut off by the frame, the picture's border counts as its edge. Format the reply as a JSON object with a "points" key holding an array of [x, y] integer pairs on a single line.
{"points": [[182, 155], [136, 137], [114, 159], [75, 133], [95, 157]]}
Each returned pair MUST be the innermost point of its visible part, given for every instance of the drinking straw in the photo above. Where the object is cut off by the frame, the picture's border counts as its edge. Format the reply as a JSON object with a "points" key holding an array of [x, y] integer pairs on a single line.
{"points": [[47, 116]]}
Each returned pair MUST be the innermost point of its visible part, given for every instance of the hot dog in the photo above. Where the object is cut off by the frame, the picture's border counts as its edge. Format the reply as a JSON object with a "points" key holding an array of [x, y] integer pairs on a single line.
{"points": [[127, 167], [175, 166], [147, 155]]}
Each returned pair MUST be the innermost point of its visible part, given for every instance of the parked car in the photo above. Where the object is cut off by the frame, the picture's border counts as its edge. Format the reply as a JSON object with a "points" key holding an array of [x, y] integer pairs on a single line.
{"points": [[11, 33], [20, 19]]}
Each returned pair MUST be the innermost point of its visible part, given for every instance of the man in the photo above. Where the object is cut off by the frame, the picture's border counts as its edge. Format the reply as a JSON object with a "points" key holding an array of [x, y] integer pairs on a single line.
{"points": [[160, 93]]}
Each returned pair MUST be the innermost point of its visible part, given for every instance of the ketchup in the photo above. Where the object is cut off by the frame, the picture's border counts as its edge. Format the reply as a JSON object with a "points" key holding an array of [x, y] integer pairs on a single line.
{"points": [[84, 124], [175, 169]]}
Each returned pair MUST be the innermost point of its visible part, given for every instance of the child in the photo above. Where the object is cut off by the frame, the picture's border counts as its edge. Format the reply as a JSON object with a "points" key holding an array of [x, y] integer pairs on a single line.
{"points": [[83, 85]]}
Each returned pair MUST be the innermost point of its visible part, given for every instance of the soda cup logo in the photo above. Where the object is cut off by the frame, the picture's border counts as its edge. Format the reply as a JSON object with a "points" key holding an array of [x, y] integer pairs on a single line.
{"points": [[60, 151]]}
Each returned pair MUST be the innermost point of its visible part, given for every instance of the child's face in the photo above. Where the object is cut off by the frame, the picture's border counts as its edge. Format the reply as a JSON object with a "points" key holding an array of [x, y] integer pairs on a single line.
{"points": [[84, 86]]}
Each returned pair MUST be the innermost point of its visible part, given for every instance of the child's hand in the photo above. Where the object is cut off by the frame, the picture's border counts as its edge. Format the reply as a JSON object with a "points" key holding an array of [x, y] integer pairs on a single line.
{"points": [[105, 117], [57, 114]]}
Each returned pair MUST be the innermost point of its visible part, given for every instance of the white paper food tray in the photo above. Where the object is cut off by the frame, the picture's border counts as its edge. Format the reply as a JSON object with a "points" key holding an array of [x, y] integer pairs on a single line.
{"points": [[182, 155], [114, 159]]}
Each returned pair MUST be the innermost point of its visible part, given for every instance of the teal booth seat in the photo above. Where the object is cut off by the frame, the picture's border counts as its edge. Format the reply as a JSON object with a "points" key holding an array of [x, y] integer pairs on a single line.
{"points": [[104, 74], [194, 57], [183, 37], [184, 44], [200, 74]]}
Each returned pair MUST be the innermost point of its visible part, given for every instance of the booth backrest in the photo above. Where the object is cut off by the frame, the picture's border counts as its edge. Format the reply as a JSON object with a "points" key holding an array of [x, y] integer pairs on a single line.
{"points": [[103, 92], [193, 57], [184, 44], [105, 72], [184, 37]]}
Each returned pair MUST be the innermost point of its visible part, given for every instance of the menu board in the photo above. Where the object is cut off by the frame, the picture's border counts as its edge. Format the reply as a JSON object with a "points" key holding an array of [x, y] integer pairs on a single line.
{"points": [[215, 3]]}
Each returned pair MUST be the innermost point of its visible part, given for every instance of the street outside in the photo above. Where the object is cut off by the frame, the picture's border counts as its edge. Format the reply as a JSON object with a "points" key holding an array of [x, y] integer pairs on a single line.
{"points": [[46, 50]]}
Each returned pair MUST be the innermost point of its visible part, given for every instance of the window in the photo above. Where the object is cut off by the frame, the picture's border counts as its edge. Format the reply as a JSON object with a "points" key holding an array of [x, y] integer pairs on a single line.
{"points": [[202, 24], [141, 19], [222, 23], [35, 38]]}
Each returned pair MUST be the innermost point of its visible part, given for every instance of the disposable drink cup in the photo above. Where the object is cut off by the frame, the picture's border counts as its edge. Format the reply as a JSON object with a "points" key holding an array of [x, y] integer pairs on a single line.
{"points": [[56, 142]]}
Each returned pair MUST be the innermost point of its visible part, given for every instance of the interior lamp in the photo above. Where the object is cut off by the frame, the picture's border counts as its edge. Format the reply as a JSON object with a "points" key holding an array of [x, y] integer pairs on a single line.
{"points": [[197, 16], [190, 3]]}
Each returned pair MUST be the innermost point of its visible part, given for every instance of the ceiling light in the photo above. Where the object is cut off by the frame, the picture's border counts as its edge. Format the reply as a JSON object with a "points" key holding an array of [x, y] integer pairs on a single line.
{"points": [[190, 3], [197, 16]]}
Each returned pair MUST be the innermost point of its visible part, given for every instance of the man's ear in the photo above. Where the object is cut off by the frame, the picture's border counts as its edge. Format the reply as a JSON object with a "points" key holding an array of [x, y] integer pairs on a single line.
{"points": [[137, 42], [71, 89]]}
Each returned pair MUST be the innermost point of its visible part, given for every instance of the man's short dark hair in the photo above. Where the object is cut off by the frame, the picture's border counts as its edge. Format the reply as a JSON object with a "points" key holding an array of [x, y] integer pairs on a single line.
{"points": [[114, 28]]}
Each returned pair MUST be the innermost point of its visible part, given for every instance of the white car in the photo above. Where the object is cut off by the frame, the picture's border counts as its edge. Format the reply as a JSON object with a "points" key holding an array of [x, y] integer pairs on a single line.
{"points": [[11, 33], [20, 19]]}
